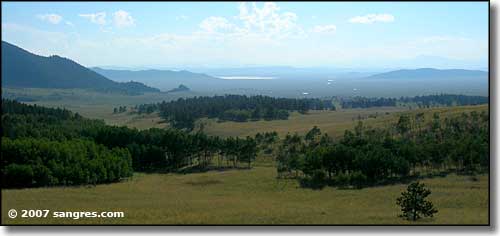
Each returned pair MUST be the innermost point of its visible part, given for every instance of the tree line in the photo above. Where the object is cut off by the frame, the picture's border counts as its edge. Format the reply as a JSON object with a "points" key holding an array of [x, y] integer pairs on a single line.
{"points": [[420, 101], [366, 156], [182, 113], [115, 152]]}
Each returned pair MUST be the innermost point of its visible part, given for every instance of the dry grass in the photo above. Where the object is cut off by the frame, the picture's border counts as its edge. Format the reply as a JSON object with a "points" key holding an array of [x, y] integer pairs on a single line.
{"points": [[247, 197], [332, 122]]}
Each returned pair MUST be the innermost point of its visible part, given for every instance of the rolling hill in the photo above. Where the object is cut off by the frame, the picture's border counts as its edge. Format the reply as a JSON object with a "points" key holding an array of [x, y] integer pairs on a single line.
{"points": [[22, 69], [430, 73], [163, 79]]}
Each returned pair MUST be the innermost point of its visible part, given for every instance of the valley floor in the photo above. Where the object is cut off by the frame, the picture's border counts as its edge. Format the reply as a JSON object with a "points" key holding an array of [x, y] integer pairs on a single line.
{"points": [[252, 196]]}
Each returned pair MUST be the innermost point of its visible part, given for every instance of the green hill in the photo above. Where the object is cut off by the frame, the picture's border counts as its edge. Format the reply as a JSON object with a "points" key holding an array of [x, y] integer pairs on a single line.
{"points": [[21, 68]]}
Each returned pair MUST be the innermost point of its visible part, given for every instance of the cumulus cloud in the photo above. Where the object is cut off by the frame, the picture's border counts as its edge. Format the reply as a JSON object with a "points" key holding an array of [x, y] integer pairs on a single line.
{"points": [[96, 18], [51, 18], [324, 29], [372, 18], [214, 24], [254, 22], [123, 19], [268, 19]]}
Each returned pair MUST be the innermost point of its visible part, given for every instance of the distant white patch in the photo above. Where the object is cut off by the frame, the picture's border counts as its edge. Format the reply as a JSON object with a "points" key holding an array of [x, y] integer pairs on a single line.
{"points": [[354, 89], [330, 80], [305, 93], [51, 18], [247, 77], [329, 83]]}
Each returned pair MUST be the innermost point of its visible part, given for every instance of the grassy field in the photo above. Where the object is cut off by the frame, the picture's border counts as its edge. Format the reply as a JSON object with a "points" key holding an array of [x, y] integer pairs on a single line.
{"points": [[252, 196], [94, 104], [332, 122]]}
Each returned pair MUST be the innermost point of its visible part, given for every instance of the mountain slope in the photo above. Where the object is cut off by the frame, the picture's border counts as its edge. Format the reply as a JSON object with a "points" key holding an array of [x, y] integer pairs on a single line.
{"points": [[430, 73], [163, 79], [21, 68]]}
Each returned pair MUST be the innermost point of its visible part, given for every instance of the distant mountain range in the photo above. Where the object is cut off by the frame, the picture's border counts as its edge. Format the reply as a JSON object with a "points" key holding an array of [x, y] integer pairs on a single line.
{"points": [[430, 74], [163, 79], [21, 68]]}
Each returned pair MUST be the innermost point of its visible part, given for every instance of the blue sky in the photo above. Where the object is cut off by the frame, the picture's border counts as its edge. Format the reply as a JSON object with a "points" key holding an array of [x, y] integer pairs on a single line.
{"points": [[229, 34]]}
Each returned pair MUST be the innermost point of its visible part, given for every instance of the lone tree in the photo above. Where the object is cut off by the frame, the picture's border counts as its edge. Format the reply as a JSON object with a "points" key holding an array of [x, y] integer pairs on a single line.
{"points": [[413, 203]]}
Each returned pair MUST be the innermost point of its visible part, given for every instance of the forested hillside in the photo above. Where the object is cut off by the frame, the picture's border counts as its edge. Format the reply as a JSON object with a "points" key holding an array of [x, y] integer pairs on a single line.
{"points": [[45, 147], [21, 68]]}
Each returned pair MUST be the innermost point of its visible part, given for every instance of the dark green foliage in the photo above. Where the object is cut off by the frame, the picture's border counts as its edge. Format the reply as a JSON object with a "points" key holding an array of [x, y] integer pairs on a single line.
{"points": [[21, 68], [370, 156], [413, 202], [62, 134], [445, 99], [15, 175], [183, 112], [362, 102], [420, 101], [29, 162], [312, 134], [120, 109]]}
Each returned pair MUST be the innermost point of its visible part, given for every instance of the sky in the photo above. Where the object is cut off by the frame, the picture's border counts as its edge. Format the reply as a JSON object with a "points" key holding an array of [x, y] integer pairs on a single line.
{"points": [[240, 34]]}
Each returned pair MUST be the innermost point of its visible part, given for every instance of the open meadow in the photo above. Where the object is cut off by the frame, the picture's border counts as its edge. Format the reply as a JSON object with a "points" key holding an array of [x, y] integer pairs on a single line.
{"points": [[252, 196], [334, 123]]}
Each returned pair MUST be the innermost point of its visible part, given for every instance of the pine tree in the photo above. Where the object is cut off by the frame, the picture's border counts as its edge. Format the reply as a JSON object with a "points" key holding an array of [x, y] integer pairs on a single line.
{"points": [[413, 203]]}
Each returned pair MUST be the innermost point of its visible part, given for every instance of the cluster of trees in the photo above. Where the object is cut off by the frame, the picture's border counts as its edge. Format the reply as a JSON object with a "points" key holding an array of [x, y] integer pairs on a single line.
{"points": [[369, 156], [445, 100], [29, 162], [239, 115], [266, 140], [146, 108], [363, 102], [420, 101], [183, 112], [107, 147], [120, 109]]}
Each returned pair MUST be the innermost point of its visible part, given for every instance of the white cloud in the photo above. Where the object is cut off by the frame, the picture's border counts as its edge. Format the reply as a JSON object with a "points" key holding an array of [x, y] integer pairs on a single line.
{"points": [[96, 18], [51, 18], [182, 17], [46, 43], [123, 19], [69, 23], [372, 18], [214, 23], [268, 20], [324, 29]]}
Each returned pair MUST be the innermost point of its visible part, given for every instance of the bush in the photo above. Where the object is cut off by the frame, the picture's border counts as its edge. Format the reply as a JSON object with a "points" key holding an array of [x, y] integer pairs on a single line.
{"points": [[17, 176], [317, 180], [342, 180], [358, 179]]}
